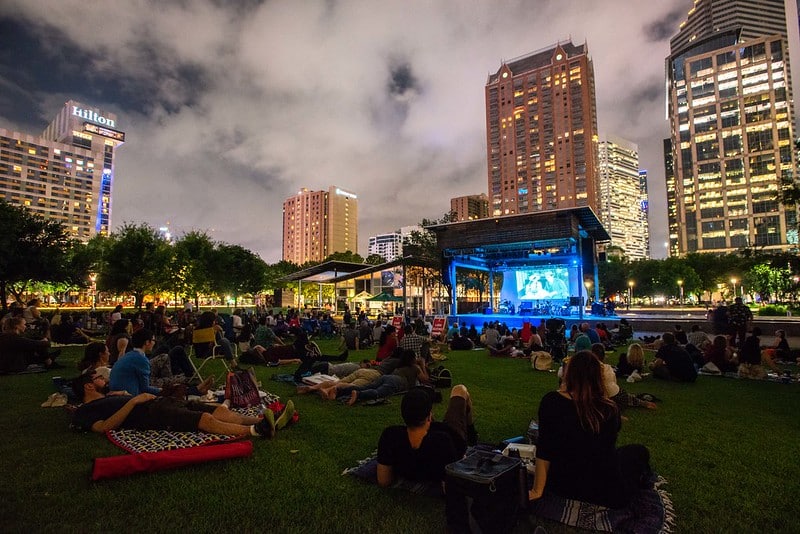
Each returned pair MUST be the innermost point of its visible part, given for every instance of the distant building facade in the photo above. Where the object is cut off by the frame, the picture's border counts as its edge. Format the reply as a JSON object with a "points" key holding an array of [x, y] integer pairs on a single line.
{"points": [[318, 223], [390, 246], [623, 201], [65, 174], [541, 132], [470, 207], [730, 112]]}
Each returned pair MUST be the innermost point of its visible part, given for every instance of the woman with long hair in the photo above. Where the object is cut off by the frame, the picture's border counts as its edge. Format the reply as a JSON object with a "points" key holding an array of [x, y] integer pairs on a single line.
{"points": [[631, 361], [387, 343], [118, 340], [576, 454]]}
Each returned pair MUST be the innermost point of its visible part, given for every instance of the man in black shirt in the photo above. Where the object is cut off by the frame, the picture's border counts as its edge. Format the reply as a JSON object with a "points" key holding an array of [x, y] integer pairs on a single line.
{"points": [[673, 362], [420, 449]]}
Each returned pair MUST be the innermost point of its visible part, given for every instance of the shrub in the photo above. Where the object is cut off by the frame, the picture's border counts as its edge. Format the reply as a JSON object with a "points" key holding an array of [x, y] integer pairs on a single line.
{"points": [[772, 310]]}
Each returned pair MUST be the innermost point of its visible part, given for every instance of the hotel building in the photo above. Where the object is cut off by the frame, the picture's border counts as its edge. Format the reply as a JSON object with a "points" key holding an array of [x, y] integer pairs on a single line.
{"points": [[65, 174], [318, 223], [623, 200], [730, 111], [390, 246], [541, 132]]}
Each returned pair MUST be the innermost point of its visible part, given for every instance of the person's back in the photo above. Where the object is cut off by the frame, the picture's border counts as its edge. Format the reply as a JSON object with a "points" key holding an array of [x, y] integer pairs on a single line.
{"points": [[350, 338], [677, 361]]}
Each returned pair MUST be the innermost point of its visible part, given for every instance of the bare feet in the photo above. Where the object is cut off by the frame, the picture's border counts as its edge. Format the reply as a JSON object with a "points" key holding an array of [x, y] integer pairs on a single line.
{"points": [[353, 398], [328, 394], [205, 385], [302, 390]]}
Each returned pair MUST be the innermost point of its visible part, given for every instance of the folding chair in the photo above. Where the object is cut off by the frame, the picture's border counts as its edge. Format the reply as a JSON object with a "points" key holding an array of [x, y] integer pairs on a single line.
{"points": [[205, 347]]}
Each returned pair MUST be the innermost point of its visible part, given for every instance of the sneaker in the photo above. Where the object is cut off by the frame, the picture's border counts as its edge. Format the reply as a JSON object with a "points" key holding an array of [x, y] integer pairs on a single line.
{"points": [[266, 427], [285, 418]]}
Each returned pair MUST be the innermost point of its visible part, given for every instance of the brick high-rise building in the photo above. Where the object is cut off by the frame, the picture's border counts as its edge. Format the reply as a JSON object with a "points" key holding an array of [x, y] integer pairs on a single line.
{"points": [[66, 173], [318, 223], [730, 112], [470, 207], [541, 132]]}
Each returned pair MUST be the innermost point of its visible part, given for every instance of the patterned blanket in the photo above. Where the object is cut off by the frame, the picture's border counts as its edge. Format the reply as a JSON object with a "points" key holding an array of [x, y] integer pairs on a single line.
{"points": [[650, 512], [136, 441]]}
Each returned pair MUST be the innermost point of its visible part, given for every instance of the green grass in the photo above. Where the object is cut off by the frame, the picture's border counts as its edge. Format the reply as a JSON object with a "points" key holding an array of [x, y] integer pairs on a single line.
{"points": [[728, 449]]}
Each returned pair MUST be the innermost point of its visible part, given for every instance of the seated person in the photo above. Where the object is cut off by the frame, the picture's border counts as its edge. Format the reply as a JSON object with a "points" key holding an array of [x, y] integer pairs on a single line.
{"points": [[68, 332], [534, 344], [632, 361], [721, 354], [680, 335], [350, 340], [780, 349], [420, 449], [275, 348], [624, 331], [102, 411], [208, 319], [118, 340], [387, 343], [698, 338], [364, 334], [459, 342], [508, 349], [95, 358], [131, 373], [673, 362], [17, 351], [751, 358], [576, 453], [308, 353], [612, 388]]}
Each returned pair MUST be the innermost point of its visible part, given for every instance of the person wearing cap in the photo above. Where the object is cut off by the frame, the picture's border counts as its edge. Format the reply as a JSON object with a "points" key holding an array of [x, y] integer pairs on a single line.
{"points": [[420, 449]]}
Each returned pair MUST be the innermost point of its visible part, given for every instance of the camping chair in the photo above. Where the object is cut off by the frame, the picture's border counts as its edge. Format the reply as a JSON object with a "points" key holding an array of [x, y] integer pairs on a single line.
{"points": [[204, 346]]}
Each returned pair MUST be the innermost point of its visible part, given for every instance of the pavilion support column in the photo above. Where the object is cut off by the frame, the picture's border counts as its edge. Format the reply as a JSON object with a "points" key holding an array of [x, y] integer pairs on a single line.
{"points": [[491, 289], [453, 292]]}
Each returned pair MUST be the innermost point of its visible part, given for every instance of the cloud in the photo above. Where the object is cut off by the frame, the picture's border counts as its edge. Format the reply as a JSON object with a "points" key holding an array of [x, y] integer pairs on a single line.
{"points": [[229, 108]]}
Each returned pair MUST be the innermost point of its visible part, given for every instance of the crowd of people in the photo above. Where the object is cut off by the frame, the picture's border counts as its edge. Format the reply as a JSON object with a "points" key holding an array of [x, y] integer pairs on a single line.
{"points": [[579, 422]]}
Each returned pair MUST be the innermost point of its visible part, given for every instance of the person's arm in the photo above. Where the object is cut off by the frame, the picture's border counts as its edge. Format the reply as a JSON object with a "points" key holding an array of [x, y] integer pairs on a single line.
{"points": [[385, 475], [122, 346], [120, 415], [539, 479]]}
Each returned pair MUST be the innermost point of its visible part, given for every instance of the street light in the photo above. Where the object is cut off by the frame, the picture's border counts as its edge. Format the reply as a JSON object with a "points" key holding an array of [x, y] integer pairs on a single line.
{"points": [[733, 281], [680, 287], [631, 283]]}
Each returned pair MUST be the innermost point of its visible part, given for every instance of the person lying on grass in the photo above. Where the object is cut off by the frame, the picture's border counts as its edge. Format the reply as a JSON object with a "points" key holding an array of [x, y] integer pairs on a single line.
{"points": [[363, 374], [102, 411], [420, 449], [410, 371]]}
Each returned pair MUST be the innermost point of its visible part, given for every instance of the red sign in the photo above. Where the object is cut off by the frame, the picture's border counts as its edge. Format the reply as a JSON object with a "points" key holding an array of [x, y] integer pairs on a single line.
{"points": [[397, 321], [439, 326]]}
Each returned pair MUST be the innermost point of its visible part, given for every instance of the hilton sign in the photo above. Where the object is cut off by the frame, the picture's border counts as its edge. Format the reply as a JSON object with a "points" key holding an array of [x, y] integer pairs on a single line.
{"points": [[90, 115]]}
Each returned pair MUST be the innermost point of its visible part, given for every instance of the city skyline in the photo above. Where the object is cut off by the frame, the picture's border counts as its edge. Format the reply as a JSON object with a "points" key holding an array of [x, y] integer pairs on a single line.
{"points": [[225, 122]]}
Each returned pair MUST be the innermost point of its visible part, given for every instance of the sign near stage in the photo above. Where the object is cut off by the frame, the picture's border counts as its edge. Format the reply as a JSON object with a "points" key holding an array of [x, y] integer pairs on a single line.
{"points": [[439, 326]]}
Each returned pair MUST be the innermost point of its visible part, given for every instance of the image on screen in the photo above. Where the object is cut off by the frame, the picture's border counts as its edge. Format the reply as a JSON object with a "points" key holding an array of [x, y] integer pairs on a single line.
{"points": [[543, 283]]}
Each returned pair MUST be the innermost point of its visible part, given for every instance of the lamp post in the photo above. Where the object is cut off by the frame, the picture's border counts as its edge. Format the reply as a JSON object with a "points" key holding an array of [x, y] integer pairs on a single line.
{"points": [[631, 283], [680, 289], [93, 280], [733, 281]]}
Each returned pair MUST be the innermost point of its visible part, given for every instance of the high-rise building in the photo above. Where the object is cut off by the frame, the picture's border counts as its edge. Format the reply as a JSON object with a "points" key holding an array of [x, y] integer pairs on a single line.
{"points": [[541, 132], [730, 112], [470, 207], [318, 223], [66, 173], [390, 246], [623, 203]]}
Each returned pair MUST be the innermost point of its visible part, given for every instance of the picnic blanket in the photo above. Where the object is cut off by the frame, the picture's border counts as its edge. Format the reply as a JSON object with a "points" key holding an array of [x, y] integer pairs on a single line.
{"points": [[138, 441], [650, 511]]}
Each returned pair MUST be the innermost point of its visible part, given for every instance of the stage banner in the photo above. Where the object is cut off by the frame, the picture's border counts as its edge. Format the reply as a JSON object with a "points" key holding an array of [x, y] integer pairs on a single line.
{"points": [[439, 326], [397, 321]]}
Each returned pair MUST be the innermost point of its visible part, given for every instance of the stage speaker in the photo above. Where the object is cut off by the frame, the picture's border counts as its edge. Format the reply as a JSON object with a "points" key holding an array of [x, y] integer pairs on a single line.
{"points": [[575, 301], [602, 256]]}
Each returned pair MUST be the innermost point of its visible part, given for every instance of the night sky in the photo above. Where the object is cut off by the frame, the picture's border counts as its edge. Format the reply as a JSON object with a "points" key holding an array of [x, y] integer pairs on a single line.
{"points": [[229, 107]]}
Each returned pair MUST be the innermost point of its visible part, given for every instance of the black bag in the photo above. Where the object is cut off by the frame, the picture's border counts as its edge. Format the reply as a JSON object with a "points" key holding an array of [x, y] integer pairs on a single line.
{"points": [[441, 377], [486, 489]]}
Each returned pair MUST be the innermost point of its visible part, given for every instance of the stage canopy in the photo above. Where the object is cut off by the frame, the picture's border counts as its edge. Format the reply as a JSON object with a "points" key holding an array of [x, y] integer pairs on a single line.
{"points": [[545, 256]]}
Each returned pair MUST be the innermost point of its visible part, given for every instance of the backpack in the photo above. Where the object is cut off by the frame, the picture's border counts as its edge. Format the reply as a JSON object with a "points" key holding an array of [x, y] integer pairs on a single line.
{"points": [[487, 488], [441, 377], [241, 389]]}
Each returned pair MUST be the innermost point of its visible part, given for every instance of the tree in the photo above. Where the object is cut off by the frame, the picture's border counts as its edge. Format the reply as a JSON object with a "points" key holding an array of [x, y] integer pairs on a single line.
{"points": [[375, 259], [31, 249], [347, 256], [613, 275], [238, 271], [193, 265], [136, 261]]}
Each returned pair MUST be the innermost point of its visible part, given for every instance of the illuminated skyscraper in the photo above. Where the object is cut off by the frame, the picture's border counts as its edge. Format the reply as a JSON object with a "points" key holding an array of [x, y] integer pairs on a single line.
{"points": [[623, 204], [541, 132], [730, 112], [470, 207], [66, 174], [318, 223]]}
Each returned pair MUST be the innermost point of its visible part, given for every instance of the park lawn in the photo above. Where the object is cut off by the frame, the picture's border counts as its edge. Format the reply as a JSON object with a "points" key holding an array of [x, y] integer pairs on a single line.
{"points": [[728, 449]]}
